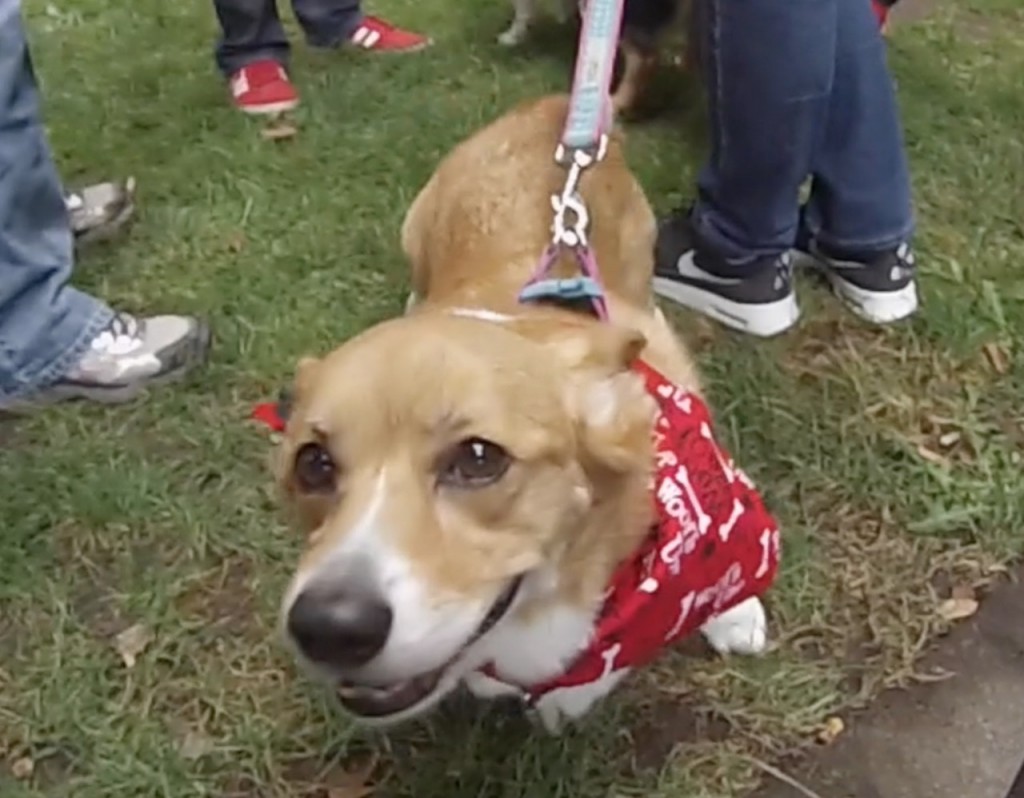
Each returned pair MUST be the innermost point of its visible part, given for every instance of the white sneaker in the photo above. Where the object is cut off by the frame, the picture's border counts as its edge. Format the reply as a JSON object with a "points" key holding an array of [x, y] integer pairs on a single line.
{"points": [[125, 358]]}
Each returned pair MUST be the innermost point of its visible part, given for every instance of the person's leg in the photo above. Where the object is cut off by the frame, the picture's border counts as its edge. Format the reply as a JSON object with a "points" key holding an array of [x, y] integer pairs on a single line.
{"points": [[331, 23], [859, 217], [328, 23], [45, 325], [769, 68], [57, 342], [250, 31], [252, 53]]}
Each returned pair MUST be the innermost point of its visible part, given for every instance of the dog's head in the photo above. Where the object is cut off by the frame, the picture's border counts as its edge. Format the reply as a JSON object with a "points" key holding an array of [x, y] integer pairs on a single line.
{"points": [[439, 465]]}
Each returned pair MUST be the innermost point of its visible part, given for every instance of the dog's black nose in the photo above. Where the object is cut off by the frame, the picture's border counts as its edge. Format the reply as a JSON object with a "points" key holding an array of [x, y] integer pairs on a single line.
{"points": [[337, 627]]}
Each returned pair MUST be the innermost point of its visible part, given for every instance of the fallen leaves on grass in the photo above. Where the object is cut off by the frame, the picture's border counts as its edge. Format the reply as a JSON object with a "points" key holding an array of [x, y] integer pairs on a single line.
{"points": [[132, 642], [23, 768], [195, 745], [830, 731], [353, 782], [236, 242], [998, 357], [931, 456], [279, 130], [961, 604]]}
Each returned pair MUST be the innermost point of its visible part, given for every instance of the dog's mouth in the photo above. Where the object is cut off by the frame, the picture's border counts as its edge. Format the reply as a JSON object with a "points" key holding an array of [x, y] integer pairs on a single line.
{"points": [[380, 702]]}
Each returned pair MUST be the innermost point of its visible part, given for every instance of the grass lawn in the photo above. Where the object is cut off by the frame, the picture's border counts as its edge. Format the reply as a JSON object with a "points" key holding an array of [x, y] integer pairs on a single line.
{"points": [[893, 457]]}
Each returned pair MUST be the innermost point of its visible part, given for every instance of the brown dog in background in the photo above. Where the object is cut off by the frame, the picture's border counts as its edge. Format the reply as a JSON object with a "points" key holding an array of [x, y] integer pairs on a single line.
{"points": [[646, 24]]}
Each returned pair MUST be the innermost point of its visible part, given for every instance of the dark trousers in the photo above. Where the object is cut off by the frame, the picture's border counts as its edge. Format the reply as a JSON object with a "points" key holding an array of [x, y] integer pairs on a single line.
{"points": [[800, 89], [251, 29]]}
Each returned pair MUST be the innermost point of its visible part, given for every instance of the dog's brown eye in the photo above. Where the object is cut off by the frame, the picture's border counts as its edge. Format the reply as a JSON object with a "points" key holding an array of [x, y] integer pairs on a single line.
{"points": [[314, 469], [474, 463]]}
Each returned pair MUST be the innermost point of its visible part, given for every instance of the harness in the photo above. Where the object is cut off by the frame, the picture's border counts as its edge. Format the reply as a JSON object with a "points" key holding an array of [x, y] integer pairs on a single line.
{"points": [[584, 142]]}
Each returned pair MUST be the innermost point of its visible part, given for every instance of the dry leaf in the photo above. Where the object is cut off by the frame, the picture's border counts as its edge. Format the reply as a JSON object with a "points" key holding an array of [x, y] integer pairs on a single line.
{"points": [[279, 131], [23, 768], [956, 609], [931, 456], [195, 745], [949, 439], [828, 733], [132, 642], [236, 242], [353, 783], [998, 357]]}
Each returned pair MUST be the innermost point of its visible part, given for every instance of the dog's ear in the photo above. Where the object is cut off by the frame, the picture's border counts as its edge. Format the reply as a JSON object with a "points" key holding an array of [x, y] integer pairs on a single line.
{"points": [[604, 348], [306, 372], [612, 411]]}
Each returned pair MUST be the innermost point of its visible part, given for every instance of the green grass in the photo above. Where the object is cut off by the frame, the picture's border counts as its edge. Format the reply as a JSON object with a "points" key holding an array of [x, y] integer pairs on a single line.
{"points": [[160, 512]]}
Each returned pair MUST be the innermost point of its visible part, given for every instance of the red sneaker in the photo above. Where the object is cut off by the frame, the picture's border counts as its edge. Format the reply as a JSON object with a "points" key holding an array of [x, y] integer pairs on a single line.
{"points": [[881, 9], [262, 87], [377, 35]]}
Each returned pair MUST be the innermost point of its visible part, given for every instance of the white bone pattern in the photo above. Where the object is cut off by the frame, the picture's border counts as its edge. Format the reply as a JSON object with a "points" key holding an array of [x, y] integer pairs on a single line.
{"points": [[703, 519], [726, 527], [609, 655], [769, 544], [685, 605]]}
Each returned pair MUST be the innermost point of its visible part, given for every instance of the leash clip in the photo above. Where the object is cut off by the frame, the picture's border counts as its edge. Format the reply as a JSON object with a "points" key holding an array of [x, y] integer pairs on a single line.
{"points": [[571, 216]]}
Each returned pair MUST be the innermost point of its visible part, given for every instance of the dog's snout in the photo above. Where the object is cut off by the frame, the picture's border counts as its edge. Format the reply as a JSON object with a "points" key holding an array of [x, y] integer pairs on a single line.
{"points": [[338, 627]]}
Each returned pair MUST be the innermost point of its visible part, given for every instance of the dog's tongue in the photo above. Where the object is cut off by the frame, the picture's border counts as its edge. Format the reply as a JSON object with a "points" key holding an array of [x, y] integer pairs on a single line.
{"points": [[376, 702]]}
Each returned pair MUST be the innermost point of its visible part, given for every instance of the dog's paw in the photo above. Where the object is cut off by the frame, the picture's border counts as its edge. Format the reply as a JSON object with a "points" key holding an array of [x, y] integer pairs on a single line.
{"points": [[548, 715], [483, 686], [743, 629]]}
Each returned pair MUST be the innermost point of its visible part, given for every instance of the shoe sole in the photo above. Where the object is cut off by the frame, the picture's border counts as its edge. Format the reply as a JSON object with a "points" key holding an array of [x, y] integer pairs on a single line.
{"points": [[108, 229], [193, 355], [763, 320], [268, 109], [877, 307], [416, 48]]}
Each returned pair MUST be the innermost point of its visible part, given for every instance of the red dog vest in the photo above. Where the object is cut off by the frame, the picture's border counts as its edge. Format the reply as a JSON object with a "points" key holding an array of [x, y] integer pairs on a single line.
{"points": [[714, 544]]}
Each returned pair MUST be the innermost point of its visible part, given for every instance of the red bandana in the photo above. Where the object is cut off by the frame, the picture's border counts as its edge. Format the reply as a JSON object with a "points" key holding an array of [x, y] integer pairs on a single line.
{"points": [[714, 545]]}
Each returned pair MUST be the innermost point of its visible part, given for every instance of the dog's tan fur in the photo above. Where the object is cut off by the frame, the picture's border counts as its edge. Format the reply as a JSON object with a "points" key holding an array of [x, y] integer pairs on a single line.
{"points": [[551, 386]]}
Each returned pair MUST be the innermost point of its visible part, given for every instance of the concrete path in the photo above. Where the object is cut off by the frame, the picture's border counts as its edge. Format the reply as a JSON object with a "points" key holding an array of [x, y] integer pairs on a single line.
{"points": [[958, 738]]}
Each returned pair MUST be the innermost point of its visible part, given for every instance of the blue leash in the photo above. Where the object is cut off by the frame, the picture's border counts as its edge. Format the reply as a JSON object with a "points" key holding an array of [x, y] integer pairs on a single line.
{"points": [[590, 113]]}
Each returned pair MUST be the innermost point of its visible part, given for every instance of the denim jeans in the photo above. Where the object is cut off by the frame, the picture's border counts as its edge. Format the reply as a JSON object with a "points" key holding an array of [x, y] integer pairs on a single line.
{"points": [[45, 325], [800, 89], [251, 29]]}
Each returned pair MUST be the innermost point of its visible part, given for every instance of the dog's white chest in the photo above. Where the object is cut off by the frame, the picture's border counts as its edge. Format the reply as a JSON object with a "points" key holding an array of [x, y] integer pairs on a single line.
{"points": [[534, 652]]}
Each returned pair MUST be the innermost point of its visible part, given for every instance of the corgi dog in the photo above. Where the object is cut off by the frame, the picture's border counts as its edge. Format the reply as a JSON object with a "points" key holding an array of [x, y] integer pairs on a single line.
{"points": [[484, 486]]}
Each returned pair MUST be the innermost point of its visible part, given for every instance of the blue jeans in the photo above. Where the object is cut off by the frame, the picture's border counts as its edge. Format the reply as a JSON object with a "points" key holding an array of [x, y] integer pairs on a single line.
{"points": [[798, 89], [45, 325], [251, 29]]}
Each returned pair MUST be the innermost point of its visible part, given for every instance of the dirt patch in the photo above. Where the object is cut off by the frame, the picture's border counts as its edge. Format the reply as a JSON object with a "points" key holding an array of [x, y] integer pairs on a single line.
{"points": [[668, 723], [222, 597]]}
